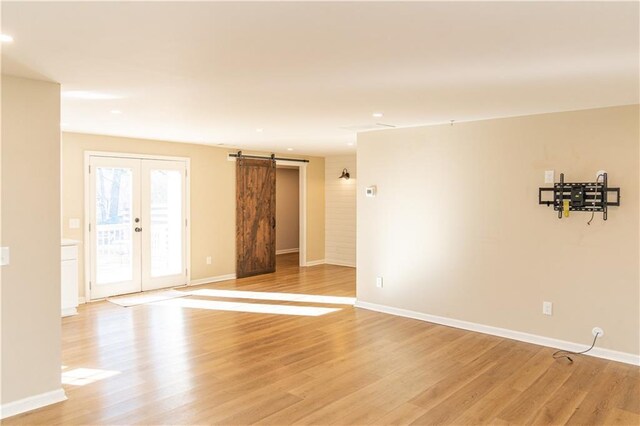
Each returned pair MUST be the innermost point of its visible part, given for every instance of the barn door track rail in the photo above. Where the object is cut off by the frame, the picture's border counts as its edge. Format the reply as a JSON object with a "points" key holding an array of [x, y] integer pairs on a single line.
{"points": [[272, 157]]}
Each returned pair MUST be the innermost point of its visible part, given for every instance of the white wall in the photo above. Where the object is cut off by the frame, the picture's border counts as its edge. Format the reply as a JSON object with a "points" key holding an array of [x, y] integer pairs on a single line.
{"points": [[31, 228], [340, 204], [287, 209], [456, 230]]}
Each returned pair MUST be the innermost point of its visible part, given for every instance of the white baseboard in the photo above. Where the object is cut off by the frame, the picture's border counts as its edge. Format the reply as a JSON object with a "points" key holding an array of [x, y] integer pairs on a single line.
{"points": [[286, 251], [81, 300], [213, 279], [339, 263], [69, 312], [31, 403], [315, 262], [609, 354]]}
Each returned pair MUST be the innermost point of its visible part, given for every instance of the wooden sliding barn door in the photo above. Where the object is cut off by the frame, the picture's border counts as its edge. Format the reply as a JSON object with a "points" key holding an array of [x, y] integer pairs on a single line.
{"points": [[255, 217]]}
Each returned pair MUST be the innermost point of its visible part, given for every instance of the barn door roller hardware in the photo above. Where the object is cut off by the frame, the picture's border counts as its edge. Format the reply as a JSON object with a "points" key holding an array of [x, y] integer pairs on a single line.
{"points": [[239, 154], [581, 196]]}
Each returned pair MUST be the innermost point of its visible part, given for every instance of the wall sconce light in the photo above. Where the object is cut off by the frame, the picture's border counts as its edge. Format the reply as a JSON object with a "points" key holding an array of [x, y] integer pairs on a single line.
{"points": [[345, 174]]}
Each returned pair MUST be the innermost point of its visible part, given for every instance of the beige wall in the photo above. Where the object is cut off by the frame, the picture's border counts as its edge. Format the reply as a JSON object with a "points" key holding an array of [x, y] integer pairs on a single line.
{"points": [[287, 209], [340, 226], [31, 228], [315, 210], [456, 229], [212, 197]]}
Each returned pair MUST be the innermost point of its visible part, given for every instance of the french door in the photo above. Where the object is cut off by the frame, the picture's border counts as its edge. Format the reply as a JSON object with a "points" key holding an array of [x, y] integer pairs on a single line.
{"points": [[137, 225]]}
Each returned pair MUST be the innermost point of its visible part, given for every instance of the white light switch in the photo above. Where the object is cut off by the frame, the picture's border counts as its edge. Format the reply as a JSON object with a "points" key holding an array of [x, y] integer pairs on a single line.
{"points": [[208, 259], [74, 223], [549, 176], [4, 256]]}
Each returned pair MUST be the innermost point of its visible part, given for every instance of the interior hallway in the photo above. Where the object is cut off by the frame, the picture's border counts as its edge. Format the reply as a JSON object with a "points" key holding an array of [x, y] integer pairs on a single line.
{"points": [[167, 364]]}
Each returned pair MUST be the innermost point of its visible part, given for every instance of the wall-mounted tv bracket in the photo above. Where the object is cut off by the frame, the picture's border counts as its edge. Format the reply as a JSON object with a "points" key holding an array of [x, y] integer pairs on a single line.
{"points": [[581, 196]]}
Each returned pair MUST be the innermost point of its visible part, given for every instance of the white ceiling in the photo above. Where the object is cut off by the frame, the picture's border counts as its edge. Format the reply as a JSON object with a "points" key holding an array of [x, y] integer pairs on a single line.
{"points": [[215, 72]]}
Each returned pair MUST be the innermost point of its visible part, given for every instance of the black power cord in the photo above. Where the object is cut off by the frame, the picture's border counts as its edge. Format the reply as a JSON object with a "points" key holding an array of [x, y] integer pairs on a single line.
{"points": [[565, 354]]}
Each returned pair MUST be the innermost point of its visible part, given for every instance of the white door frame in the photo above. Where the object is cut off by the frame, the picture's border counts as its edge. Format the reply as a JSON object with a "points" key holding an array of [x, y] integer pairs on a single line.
{"points": [[87, 207], [302, 209]]}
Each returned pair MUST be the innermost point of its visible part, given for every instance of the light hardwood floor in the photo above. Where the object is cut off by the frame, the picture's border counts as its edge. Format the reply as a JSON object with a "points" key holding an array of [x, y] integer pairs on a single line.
{"points": [[186, 365]]}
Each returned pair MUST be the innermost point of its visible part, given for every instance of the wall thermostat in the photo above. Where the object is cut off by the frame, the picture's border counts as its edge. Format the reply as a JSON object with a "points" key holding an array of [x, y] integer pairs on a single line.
{"points": [[370, 191]]}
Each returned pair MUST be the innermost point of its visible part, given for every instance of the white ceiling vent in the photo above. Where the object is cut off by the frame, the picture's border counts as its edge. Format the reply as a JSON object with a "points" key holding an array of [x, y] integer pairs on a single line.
{"points": [[368, 126]]}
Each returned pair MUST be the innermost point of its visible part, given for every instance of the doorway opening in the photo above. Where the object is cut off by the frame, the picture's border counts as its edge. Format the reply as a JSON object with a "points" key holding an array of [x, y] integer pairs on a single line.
{"points": [[287, 212], [302, 206], [137, 235]]}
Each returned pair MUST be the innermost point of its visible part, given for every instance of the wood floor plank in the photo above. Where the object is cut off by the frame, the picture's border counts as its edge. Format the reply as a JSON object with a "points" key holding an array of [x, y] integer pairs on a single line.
{"points": [[597, 406], [454, 380], [315, 394], [532, 370], [179, 365], [403, 415], [534, 397], [559, 407], [630, 399], [621, 417], [488, 407], [475, 392]]}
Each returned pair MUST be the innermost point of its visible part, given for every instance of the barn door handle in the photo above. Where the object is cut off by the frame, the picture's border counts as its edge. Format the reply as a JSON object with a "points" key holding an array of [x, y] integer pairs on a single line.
{"points": [[273, 222]]}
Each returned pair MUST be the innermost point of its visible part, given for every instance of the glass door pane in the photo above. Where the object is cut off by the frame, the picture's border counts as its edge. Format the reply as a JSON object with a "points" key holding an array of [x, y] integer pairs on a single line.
{"points": [[115, 232], [114, 225], [164, 213], [166, 222]]}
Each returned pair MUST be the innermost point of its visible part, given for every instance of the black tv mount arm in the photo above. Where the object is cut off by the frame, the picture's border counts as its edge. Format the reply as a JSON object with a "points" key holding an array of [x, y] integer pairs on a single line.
{"points": [[580, 196]]}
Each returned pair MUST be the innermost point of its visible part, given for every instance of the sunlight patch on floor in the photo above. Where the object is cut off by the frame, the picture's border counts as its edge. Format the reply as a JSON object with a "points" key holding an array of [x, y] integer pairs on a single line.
{"points": [[284, 297], [260, 308], [84, 376]]}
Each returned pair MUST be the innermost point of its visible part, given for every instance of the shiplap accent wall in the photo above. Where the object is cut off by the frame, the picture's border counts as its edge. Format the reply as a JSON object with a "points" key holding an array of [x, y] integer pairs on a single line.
{"points": [[340, 214]]}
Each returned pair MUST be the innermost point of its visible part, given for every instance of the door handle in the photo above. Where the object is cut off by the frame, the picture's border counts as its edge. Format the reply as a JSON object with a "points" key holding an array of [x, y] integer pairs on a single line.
{"points": [[137, 229], [273, 222]]}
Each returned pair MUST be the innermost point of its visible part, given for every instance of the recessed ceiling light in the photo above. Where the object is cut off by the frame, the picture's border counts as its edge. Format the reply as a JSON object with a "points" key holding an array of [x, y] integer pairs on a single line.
{"points": [[377, 115], [5, 38], [289, 149], [116, 111], [259, 130]]}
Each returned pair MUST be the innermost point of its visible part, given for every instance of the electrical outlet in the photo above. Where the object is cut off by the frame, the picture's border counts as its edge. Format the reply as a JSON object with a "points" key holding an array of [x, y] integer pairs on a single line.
{"points": [[597, 331], [547, 308], [208, 260], [379, 282], [549, 176], [4, 256]]}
